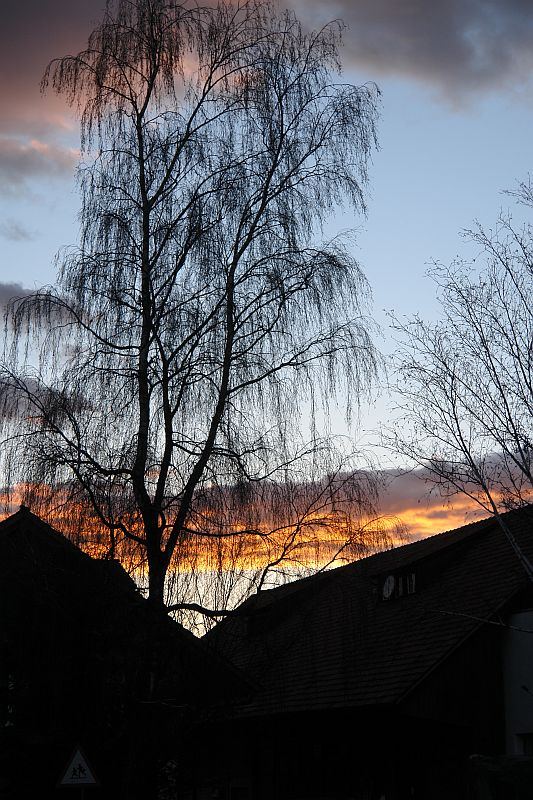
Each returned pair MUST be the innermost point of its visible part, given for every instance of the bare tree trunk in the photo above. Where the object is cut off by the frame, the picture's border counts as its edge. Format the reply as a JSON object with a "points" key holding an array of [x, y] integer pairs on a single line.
{"points": [[157, 570]]}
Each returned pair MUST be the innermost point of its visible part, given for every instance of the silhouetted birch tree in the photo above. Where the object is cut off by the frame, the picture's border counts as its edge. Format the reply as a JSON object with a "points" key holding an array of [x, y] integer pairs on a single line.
{"points": [[201, 307]]}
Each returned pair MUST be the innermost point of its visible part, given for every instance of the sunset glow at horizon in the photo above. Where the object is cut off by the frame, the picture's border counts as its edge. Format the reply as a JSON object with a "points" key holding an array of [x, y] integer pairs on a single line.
{"points": [[415, 520], [456, 93]]}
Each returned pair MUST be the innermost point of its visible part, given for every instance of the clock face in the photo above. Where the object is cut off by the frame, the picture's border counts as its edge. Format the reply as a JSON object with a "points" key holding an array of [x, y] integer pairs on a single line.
{"points": [[388, 587]]}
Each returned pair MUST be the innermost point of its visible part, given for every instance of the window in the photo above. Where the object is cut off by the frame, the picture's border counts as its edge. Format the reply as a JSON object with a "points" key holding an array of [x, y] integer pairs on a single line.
{"points": [[394, 586]]}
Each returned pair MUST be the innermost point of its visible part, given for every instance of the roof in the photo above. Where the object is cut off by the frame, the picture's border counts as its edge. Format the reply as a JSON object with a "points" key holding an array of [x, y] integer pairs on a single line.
{"points": [[35, 550], [56, 600], [333, 641]]}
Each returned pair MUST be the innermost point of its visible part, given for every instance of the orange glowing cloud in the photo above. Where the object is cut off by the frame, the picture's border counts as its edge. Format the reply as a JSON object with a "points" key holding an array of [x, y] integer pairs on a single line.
{"points": [[315, 538], [423, 511]]}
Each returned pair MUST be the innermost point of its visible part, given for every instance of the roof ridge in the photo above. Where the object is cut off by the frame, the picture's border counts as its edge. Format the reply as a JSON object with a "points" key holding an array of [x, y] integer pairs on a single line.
{"points": [[457, 534]]}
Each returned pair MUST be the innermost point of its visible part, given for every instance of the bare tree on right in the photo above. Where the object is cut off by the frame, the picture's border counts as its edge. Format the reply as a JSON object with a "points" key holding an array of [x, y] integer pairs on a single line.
{"points": [[465, 383]]}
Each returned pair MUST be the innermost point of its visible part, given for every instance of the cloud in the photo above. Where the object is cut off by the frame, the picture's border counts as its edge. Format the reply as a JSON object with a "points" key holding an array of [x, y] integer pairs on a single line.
{"points": [[409, 497], [14, 231], [22, 160], [33, 33], [459, 46], [36, 133], [8, 291]]}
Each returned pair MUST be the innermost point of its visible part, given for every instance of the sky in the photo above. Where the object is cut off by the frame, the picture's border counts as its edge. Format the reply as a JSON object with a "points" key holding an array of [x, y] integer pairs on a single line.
{"points": [[455, 131]]}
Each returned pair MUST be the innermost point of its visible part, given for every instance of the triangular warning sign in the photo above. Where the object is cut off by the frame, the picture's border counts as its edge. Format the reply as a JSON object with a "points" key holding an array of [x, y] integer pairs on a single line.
{"points": [[78, 771]]}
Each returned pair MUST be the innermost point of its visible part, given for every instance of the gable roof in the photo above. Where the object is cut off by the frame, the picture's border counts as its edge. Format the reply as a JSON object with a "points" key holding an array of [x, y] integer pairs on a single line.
{"points": [[333, 641], [34, 550], [57, 601], [84, 658]]}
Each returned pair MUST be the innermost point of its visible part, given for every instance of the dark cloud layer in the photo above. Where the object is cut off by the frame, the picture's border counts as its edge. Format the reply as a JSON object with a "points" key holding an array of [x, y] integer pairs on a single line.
{"points": [[461, 46], [35, 132], [32, 33], [20, 160], [456, 44], [8, 291]]}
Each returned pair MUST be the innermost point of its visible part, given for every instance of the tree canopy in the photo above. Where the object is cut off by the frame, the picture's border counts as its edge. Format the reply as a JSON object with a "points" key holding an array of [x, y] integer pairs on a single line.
{"points": [[158, 385]]}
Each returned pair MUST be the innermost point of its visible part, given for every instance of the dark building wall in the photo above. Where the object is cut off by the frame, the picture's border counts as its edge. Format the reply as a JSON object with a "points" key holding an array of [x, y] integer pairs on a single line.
{"points": [[359, 754], [418, 749], [466, 691]]}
